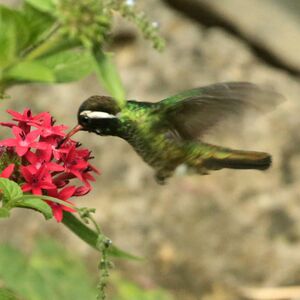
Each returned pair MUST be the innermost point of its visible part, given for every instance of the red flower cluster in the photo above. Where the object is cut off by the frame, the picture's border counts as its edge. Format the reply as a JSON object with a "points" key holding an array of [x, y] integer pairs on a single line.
{"points": [[42, 164]]}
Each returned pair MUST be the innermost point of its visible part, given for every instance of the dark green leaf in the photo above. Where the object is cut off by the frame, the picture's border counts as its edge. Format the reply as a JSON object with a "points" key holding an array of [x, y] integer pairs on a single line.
{"points": [[108, 75], [69, 65], [30, 71], [10, 190], [38, 205], [90, 236], [4, 213], [43, 5]]}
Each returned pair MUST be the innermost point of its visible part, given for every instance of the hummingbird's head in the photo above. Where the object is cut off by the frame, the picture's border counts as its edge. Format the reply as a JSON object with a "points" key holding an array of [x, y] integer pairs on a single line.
{"points": [[99, 114]]}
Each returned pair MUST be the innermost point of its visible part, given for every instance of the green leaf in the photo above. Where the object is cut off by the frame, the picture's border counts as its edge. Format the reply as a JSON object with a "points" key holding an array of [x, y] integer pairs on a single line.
{"points": [[69, 65], [4, 213], [30, 71], [127, 290], [48, 198], [14, 35], [47, 6], [108, 75], [36, 204], [10, 190], [48, 272], [6, 294], [38, 22], [7, 36], [91, 237]]}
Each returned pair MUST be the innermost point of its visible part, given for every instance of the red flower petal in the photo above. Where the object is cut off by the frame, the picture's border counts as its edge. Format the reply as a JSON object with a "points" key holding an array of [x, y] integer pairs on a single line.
{"points": [[36, 191], [82, 190], [7, 171], [17, 131], [31, 136], [26, 187], [26, 173], [21, 150], [7, 124], [57, 212], [67, 192], [47, 185], [14, 114], [9, 142]]}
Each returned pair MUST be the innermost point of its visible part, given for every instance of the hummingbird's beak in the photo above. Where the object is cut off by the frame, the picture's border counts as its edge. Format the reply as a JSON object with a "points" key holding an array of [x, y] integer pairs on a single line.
{"points": [[69, 134], [73, 131]]}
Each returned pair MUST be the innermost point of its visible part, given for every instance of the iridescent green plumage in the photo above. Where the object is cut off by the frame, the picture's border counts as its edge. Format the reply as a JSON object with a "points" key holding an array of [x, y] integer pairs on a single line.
{"points": [[167, 134]]}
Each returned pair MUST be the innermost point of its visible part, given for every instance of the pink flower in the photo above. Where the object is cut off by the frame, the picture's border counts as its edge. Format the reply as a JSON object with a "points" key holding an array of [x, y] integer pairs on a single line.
{"points": [[38, 161], [52, 149], [36, 180], [26, 117], [41, 163], [47, 128], [64, 194], [23, 142], [74, 164]]}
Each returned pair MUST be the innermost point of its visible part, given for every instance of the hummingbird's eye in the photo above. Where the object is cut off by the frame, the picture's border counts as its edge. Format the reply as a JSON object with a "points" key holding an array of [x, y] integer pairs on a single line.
{"points": [[84, 120]]}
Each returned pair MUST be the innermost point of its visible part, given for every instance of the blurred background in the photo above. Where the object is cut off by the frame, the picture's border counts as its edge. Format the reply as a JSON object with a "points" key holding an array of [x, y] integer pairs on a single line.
{"points": [[228, 235]]}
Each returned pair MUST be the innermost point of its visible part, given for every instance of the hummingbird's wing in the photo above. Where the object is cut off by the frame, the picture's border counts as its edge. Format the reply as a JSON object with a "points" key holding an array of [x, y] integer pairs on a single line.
{"points": [[192, 113]]}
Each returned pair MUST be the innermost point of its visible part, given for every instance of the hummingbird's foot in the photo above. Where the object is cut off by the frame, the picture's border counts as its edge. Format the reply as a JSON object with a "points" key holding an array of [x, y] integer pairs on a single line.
{"points": [[161, 176], [160, 179]]}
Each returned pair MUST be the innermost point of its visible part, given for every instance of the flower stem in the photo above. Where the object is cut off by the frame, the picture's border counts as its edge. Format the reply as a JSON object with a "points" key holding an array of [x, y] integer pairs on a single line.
{"points": [[103, 245], [103, 267]]}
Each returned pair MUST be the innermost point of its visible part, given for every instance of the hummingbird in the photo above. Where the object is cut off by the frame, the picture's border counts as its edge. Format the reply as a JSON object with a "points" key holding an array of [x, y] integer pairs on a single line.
{"points": [[168, 134]]}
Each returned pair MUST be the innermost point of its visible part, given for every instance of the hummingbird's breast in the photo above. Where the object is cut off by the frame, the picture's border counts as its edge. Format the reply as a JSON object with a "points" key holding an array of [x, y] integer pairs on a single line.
{"points": [[153, 144], [155, 148]]}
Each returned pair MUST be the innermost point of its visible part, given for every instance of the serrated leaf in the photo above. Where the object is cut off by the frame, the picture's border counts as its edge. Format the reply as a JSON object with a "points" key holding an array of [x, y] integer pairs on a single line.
{"points": [[69, 65], [32, 71], [108, 75], [47, 6], [4, 213], [10, 190], [38, 205]]}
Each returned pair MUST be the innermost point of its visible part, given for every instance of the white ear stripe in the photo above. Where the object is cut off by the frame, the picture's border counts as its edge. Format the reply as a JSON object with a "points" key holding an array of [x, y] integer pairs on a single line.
{"points": [[97, 114]]}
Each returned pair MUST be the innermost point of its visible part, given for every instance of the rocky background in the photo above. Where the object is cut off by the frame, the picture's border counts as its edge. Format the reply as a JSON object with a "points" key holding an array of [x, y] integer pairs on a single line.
{"points": [[209, 237]]}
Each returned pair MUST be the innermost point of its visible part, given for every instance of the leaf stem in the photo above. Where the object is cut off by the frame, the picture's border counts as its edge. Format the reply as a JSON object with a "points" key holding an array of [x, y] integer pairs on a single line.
{"points": [[51, 38]]}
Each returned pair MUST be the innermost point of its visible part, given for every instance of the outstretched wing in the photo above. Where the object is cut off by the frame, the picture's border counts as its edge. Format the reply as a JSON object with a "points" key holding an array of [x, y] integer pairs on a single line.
{"points": [[192, 113]]}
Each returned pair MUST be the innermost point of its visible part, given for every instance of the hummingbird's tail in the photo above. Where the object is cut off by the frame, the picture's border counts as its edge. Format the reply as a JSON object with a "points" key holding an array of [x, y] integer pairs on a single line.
{"points": [[236, 159]]}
